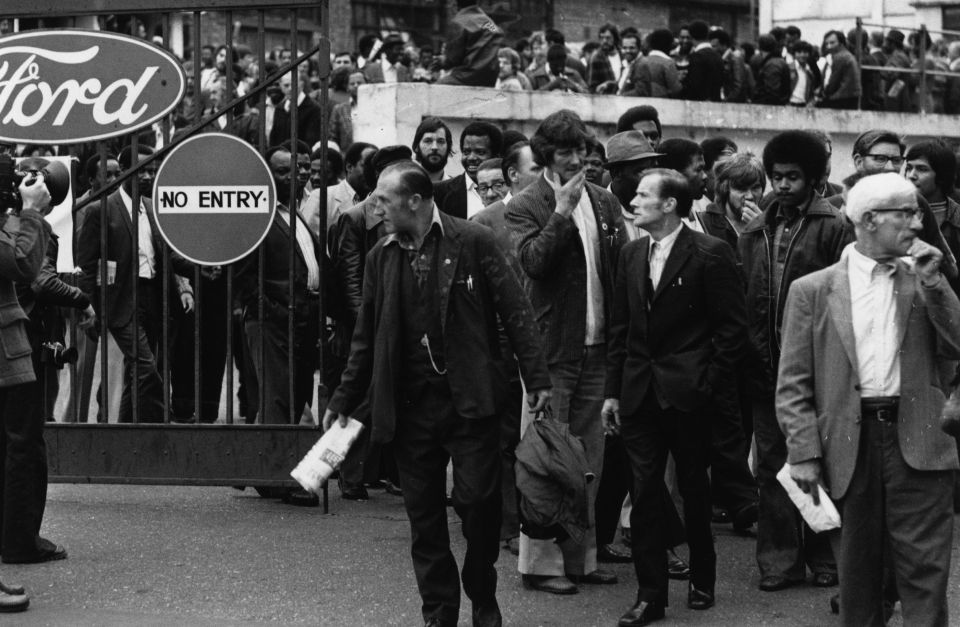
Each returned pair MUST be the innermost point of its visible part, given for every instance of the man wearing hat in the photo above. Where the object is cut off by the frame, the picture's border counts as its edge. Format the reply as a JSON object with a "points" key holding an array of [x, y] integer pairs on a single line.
{"points": [[388, 69], [628, 154]]}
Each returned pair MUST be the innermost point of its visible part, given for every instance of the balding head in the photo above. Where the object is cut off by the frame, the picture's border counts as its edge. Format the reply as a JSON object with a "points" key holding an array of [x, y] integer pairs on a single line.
{"points": [[879, 191]]}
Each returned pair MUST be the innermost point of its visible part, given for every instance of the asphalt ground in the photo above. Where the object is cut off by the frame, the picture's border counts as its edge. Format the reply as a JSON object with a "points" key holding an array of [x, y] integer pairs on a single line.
{"points": [[167, 556]]}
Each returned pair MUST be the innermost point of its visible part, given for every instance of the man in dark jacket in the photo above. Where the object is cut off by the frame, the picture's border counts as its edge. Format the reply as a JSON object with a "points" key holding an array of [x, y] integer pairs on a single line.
{"points": [[425, 351], [473, 41], [772, 73], [797, 233], [841, 80], [704, 79]]}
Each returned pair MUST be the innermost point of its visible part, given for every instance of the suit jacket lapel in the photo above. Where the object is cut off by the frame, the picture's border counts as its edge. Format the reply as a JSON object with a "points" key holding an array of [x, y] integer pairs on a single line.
{"points": [[448, 256], [640, 283], [904, 290], [681, 251], [121, 208], [841, 313]]}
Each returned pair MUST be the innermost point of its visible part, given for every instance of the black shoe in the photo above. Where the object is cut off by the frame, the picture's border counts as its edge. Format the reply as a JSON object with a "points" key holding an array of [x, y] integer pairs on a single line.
{"points": [[487, 615], [597, 577], [835, 604], [375, 485], [745, 517], [773, 583], [699, 599], [643, 613], [301, 498], [512, 545], [357, 493], [46, 552], [720, 516], [614, 554], [391, 488], [825, 580], [676, 567], [553, 585]]}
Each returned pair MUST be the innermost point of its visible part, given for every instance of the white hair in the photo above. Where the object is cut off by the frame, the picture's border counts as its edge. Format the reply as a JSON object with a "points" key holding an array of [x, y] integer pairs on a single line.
{"points": [[878, 191]]}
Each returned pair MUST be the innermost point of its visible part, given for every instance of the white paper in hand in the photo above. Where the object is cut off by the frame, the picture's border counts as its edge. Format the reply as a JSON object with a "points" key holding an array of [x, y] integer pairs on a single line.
{"points": [[820, 517], [326, 455]]}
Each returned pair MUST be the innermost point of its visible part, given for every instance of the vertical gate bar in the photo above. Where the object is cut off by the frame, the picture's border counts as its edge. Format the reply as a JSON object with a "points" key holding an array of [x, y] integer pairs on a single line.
{"points": [[922, 57], [135, 270], [859, 54], [228, 367], [322, 234], [261, 385], [197, 69], [104, 413], [165, 306], [292, 210], [230, 87]]}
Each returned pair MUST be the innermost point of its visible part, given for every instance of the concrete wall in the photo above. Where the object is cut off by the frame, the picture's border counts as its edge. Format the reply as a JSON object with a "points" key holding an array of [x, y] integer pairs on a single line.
{"points": [[389, 114]]}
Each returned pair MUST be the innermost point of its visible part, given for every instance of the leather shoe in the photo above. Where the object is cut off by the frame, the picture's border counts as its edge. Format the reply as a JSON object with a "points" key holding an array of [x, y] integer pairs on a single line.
{"points": [[597, 577], [745, 517], [825, 580], [301, 498], [614, 554], [773, 583], [699, 599], [553, 585], [11, 589], [677, 568], [487, 615], [13, 601], [391, 488], [720, 516], [643, 613], [358, 493], [835, 604], [47, 552], [512, 545]]}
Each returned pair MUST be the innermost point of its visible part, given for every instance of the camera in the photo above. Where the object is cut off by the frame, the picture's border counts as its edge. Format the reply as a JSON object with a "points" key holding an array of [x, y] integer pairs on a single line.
{"points": [[55, 176], [57, 354]]}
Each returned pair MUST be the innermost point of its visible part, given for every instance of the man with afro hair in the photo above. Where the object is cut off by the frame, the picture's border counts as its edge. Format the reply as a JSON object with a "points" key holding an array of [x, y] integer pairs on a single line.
{"points": [[797, 233]]}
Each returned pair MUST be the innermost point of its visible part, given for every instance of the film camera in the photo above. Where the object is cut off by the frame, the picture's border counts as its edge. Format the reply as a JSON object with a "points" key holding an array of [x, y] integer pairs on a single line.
{"points": [[55, 176], [57, 354]]}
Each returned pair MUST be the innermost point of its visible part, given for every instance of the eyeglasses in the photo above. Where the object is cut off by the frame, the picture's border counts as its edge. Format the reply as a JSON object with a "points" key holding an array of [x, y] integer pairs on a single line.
{"points": [[885, 159], [914, 212], [497, 187]]}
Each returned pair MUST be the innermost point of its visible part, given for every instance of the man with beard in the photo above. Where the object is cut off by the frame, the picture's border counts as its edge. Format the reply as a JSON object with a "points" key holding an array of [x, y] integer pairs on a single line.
{"points": [[459, 196], [605, 68], [431, 147]]}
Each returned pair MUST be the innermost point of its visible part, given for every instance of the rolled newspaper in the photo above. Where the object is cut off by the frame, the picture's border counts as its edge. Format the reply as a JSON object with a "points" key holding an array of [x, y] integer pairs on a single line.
{"points": [[820, 517], [326, 455]]}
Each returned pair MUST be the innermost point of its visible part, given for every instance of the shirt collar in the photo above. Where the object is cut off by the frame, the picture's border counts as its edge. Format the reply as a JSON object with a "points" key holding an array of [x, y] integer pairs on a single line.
{"points": [[667, 242], [127, 200], [701, 46], [861, 264], [407, 244], [659, 53]]}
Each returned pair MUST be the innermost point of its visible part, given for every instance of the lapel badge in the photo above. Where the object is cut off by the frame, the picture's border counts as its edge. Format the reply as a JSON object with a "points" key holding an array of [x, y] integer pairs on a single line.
{"points": [[603, 225], [446, 262]]}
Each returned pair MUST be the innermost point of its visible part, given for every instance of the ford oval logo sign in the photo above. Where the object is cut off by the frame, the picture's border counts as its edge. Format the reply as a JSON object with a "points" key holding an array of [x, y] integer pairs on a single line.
{"points": [[71, 86]]}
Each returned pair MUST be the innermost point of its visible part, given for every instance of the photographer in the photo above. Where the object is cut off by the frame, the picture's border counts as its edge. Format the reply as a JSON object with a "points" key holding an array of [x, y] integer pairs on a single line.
{"points": [[23, 242]]}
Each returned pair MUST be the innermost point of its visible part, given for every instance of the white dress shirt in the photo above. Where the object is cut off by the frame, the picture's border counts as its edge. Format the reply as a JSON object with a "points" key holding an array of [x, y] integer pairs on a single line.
{"points": [[148, 255], [389, 70], [659, 252], [474, 201], [874, 317], [305, 243]]}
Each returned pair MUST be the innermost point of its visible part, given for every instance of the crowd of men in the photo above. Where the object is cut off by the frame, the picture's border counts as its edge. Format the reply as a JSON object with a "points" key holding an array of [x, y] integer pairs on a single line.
{"points": [[632, 302]]}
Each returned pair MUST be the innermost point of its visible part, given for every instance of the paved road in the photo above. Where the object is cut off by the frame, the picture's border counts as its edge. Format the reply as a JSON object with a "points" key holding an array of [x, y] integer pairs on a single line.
{"points": [[160, 556]]}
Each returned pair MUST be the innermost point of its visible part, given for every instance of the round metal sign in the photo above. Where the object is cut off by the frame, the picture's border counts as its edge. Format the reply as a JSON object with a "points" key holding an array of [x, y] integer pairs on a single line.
{"points": [[69, 86], [214, 199]]}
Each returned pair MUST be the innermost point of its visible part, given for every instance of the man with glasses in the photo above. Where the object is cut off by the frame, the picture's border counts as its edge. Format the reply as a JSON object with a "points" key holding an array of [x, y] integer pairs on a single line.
{"points": [[490, 182], [874, 151], [859, 396], [797, 233]]}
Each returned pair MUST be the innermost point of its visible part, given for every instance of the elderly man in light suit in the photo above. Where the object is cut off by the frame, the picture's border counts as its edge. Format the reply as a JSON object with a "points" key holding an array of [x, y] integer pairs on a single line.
{"points": [[860, 390]]}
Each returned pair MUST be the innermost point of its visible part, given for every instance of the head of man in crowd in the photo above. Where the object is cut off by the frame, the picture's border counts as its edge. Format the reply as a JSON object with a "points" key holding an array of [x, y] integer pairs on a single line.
{"points": [[794, 162], [377, 162], [146, 174], [509, 62], [885, 215], [431, 144], [286, 83], [684, 40], [893, 41], [556, 59], [343, 59], [520, 170], [403, 199], [720, 41], [767, 45], [932, 168], [686, 157], [319, 179], [479, 141], [560, 144], [629, 154], [609, 36], [629, 45], [353, 162], [595, 161], [392, 49], [699, 31], [662, 200], [877, 151], [715, 150], [491, 183], [92, 170], [511, 137], [643, 118], [834, 41], [207, 55], [791, 35], [285, 169], [740, 181], [803, 52], [354, 81]]}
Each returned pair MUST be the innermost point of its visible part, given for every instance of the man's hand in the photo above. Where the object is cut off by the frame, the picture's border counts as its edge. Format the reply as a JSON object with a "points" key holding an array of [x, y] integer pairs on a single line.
{"points": [[927, 260], [537, 400], [87, 318], [611, 416], [35, 194], [749, 211], [186, 299], [807, 477], [569, 195], [329, 416]]}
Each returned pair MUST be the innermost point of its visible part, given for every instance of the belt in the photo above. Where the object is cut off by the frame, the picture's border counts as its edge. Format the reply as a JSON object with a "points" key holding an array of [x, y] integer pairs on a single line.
{"points": [[881, 408]]}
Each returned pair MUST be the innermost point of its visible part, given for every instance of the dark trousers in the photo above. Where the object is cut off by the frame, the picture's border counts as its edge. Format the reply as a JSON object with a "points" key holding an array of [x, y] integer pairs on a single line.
{"points": [[24, 468], [149, 384], [648, 436], [509, 439], [733, 486], [784, 542], [890, 506], [429, 433], [275, 369], [614, 486]]}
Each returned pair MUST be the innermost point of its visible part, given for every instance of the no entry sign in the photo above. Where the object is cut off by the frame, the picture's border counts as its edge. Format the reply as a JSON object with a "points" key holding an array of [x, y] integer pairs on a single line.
{"points": [[214, 199]]}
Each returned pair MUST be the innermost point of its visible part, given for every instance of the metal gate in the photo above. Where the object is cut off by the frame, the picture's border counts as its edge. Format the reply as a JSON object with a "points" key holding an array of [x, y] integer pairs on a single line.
{"points": [[232, 451]]}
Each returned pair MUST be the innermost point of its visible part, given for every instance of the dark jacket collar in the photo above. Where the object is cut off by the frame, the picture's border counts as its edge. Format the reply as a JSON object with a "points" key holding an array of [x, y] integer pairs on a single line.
{"points": [[818, 208]]}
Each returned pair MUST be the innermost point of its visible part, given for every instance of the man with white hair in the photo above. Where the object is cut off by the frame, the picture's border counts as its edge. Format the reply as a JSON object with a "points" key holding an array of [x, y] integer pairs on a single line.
{"points": [[859, 396]]}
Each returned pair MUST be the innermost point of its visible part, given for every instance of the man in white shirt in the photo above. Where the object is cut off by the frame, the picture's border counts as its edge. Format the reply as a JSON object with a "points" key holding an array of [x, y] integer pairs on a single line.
{"points": [[859, 396], [459, 196]]}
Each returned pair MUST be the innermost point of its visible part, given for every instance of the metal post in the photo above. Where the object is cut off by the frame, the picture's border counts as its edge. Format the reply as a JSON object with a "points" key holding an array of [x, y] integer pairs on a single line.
{"points": [[859, 54], [292, 210], [104, 414], [261, 259], [922, 35]]}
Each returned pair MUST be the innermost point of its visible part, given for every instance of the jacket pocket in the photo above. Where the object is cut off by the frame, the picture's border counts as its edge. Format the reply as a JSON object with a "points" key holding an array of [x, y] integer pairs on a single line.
{"points": [[13, 336]]}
